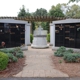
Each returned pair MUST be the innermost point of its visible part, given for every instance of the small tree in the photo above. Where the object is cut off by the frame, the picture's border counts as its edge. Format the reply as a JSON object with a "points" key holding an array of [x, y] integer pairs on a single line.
{"points": [[23, 12]]}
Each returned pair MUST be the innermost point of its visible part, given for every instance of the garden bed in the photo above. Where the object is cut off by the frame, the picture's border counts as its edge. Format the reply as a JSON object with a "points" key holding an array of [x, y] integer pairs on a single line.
{"points": [[13, 68], [72, 69]]}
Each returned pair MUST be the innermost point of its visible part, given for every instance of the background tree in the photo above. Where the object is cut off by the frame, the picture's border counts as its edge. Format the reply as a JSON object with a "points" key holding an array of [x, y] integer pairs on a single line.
{"points": [[64, 7], [33, 26], [45, 26], [40, 12], [27, 13], [74, 1], [56, 11], [23, 12], [73, 11], [68, 11]]}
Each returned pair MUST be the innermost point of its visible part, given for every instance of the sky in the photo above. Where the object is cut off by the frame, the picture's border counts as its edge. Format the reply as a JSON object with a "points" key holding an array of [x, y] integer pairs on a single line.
{"points": [[11, 7]]}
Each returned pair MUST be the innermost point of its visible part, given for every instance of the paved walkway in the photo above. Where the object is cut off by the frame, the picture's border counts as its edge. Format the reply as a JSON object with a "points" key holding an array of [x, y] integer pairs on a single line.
{"points": [[73, 78], [39, 64]]}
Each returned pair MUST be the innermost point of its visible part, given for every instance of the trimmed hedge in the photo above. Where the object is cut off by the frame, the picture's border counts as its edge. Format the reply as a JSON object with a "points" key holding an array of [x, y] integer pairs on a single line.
{"points": [[3, 60], [48, 37]]}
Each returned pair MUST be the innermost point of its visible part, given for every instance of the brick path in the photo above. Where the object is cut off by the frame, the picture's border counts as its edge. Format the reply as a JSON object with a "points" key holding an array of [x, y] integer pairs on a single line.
{"points": [[26, 78], [39, 64]]}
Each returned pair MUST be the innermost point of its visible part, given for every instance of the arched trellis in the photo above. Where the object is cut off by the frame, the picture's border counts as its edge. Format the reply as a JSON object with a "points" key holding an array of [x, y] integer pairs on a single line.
{"points": [[35, 18], [38, 18], [31, 19]]}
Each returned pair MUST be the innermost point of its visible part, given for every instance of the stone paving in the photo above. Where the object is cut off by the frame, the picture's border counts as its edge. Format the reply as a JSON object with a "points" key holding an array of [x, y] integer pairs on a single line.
{"points": [[26, 78], [39, 64]]}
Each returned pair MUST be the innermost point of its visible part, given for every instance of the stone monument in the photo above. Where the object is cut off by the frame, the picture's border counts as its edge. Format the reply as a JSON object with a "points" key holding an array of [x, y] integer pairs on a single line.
{"points": [[39, 39]]}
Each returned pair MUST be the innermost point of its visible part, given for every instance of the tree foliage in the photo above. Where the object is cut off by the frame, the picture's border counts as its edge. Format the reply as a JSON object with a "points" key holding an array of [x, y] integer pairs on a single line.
{"points": [[73, 11], [56, 11], [74, 1], [60, 10], [67, 10], [44, 25], [40, 12], [23, 12], [33, 26]]}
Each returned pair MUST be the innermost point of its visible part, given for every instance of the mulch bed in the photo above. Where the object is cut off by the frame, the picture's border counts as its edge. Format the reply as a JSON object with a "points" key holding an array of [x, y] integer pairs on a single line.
{"points": [[72, 69], [13, 68]]}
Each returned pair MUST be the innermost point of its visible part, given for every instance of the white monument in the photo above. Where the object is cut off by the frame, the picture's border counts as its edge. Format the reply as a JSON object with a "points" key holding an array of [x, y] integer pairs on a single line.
{"points": [[39, 40]]}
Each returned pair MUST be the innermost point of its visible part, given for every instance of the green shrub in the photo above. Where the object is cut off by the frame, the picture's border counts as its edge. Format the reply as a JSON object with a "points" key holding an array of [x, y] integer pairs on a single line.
{"points": [[66, 52], [20, 51], [67, 55], [17, 49], [71, 57], [13, 54], [3, 60], [60, 51], [14, 59], [7, 50], [31, 38], [48, 37], [70, 50], [10, 55], [11, 50], [4, 50], [19, 55]]}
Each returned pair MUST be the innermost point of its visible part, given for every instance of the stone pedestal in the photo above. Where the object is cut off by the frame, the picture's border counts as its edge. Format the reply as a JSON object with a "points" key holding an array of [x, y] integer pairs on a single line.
{"points": [[39, 40]]}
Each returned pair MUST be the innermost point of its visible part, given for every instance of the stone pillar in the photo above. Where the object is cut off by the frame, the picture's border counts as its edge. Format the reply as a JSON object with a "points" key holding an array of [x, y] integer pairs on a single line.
{"points": [[52, 34], [27, 34]]}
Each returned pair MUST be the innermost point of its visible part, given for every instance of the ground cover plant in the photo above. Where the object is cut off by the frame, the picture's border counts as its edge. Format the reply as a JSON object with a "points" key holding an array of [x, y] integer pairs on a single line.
{"points": [[68, 55], [10, 55], [67, 61], [11, 61]]}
